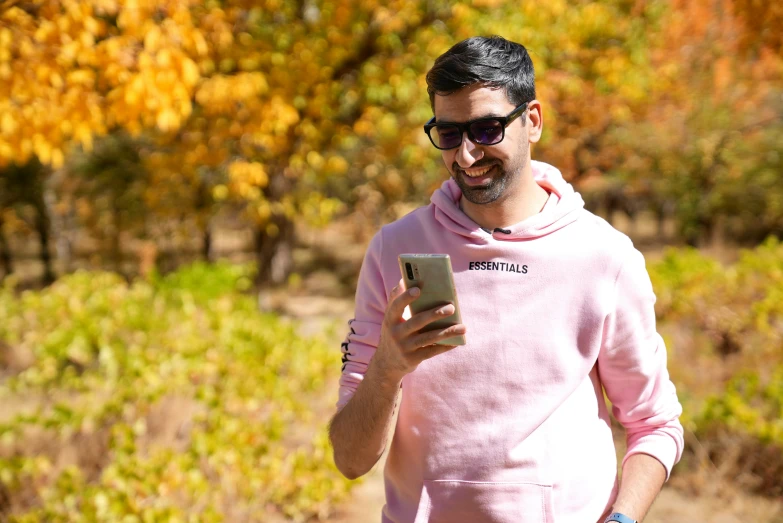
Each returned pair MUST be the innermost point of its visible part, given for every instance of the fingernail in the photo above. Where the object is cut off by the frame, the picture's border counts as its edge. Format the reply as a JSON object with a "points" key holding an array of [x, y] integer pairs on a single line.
{"points": [[446, 309], [414, 291]]}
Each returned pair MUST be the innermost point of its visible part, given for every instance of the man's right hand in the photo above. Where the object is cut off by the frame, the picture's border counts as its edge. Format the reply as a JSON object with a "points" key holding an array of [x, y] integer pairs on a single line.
{"points": [[402, 347]]}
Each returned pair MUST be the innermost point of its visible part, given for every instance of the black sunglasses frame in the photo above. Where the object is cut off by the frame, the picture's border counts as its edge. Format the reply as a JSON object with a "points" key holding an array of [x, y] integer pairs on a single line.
{"points": [[465, 127]]}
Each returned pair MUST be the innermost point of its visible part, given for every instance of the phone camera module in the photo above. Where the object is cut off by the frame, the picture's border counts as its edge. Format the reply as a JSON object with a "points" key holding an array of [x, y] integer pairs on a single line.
{"points": [[409, 270]]}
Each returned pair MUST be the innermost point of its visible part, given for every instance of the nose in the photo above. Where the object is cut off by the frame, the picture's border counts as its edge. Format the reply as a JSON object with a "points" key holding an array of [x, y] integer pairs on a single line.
{"points": [[468, 152]]}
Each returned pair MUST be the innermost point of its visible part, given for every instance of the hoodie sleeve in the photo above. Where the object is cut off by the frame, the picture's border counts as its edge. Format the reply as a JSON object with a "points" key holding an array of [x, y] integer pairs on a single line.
{"points": [[365, 328], [632, 367]]}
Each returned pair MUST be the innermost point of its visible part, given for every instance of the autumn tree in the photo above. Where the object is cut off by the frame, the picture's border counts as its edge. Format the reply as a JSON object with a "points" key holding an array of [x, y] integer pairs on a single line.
{"points": [[260, 92], [708, 139], [298, 110]]}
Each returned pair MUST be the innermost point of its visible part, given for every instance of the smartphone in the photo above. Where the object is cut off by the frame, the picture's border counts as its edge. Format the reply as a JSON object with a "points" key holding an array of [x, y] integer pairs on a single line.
{"points": [[432, 274]]}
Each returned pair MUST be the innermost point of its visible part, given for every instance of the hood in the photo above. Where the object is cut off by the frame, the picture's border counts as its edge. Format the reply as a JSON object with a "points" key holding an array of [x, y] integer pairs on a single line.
{"points": [[553, 217]]}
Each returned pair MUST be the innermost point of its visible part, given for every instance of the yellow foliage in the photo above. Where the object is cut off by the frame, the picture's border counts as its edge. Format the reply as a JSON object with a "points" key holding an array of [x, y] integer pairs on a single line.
{"points": [[167, 120], [263, 211], [220, 192], [337, 165], [8, 125], [315, 160], [6, 152], [251, 173]]}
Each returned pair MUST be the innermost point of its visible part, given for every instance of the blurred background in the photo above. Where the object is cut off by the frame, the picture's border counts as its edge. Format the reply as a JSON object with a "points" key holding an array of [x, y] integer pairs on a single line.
{"points": [[187, 189]]}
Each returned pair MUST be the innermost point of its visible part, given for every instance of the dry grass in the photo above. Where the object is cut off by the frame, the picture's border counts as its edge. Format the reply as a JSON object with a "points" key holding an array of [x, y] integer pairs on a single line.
{"points": [[168, 423], [87, 450]]}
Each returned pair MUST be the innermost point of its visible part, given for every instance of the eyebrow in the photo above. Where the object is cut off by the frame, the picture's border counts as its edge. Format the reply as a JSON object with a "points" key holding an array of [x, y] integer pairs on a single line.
{"points": [[490, 115]]}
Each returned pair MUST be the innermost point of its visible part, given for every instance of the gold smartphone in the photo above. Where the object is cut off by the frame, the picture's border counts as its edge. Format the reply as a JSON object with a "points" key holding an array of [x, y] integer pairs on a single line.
{"points": [[432, 274]]}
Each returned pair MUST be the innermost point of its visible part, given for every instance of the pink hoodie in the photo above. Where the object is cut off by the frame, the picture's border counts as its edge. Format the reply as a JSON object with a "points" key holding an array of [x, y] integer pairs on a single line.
{"points": [[513, 427]]}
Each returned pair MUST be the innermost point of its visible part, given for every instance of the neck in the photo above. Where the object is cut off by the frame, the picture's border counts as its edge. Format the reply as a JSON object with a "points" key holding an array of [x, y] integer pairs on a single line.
{"points": [[523, 200]]}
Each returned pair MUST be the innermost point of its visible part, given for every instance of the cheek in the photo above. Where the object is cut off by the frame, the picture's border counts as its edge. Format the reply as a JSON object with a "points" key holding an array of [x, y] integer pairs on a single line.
{"points": [[510, 151], [448, 158]]}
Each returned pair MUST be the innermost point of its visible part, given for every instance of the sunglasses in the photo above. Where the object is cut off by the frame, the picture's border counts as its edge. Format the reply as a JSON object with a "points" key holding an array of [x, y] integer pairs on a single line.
{"points": [[481, 131]]}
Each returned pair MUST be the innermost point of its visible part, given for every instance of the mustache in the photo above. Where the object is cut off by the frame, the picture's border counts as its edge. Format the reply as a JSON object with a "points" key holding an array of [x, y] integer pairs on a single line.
{"points": [[478, 165]]}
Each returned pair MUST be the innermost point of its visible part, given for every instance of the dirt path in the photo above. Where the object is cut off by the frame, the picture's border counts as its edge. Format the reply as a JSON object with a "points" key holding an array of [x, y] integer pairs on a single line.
{"points": [[674, 505], [367, 500]]}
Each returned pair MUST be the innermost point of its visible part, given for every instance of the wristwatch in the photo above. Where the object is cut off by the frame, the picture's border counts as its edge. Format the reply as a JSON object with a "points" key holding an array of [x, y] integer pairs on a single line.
{"points": [[619, 518]]}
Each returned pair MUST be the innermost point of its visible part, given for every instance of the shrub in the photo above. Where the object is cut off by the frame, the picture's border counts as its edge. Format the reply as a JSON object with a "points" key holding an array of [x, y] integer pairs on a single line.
{"points": [[169, 400]]}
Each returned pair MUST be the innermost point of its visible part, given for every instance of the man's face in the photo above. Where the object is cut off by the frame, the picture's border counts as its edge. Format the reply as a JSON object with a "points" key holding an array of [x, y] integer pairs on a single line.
{"points": [[469, 162]]}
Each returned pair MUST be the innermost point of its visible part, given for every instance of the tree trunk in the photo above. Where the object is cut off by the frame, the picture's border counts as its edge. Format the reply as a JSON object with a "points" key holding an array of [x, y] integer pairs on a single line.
{"points": [[5, 251], [274, 253], [115, 244], [61, 225], [699, 235], [610, 204], [42, 225], [203, 206], [708, 232], [206, 249], [660, 218]]}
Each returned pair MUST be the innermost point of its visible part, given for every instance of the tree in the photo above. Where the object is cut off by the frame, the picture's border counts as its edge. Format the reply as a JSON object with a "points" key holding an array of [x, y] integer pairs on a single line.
{"points": [[111, 183], [296, 110], [256, 91], [705, 136], [24, 186]]}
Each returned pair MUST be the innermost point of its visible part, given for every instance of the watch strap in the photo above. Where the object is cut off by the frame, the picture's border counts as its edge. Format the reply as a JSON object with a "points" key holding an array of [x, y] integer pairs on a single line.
{"points": [[619, 518]]}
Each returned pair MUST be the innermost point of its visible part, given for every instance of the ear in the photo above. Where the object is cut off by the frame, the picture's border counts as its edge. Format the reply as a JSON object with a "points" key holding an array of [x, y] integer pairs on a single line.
{"points": [[535, 121]]}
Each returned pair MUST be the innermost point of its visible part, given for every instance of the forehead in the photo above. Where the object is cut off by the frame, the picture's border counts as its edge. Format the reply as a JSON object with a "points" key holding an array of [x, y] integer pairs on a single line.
{"points": [[472, 102]]}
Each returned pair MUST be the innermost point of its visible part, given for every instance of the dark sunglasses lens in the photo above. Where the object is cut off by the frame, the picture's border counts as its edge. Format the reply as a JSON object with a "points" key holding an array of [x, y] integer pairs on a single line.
{"points": [[487, 132], [446, 136]]}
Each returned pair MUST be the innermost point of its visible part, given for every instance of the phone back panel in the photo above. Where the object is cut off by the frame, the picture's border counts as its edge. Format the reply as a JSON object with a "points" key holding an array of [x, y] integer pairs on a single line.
{"points": [[432, 274]]}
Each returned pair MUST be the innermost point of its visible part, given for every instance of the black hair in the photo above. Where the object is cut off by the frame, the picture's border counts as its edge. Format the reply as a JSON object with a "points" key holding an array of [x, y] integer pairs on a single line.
{"points": [[492, 61]]}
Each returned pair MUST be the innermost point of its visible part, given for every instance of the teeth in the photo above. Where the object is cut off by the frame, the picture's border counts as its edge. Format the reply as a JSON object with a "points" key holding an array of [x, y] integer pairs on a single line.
{"points": [[481, 172]]}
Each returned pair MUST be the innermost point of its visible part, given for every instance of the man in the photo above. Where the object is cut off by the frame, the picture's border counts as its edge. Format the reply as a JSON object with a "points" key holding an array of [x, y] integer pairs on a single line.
{"points": [[513, 426]]}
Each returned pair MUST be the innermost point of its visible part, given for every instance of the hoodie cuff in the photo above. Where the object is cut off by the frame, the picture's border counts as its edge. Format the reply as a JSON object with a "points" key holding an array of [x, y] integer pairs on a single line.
{"points": [[660, 446]]}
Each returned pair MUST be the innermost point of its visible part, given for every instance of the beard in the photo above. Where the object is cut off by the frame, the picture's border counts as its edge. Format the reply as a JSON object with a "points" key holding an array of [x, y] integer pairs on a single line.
{"points": [[487, 193], [502, 177]]}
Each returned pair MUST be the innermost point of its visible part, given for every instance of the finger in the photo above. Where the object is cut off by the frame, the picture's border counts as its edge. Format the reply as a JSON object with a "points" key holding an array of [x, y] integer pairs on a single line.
{"points": [[398, 304], [397, 290], [395, 293], [425, 353], [424, 318], [430, 337]]}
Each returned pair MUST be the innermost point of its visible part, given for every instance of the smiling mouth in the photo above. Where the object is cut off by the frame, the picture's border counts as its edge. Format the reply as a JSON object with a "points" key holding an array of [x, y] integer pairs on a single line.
{"points": [[475, 173]]}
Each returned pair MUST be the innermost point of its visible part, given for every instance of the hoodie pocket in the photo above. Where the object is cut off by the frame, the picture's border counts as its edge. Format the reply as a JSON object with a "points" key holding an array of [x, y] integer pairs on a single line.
{"points": [[454, 501]]}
